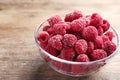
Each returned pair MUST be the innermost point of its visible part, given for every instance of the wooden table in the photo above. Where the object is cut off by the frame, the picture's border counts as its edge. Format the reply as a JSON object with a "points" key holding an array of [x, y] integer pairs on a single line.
{"points": [[19, 56]]}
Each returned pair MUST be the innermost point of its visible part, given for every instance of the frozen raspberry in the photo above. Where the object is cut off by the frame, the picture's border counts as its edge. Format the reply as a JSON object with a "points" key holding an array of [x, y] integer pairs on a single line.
{"points": [[100, 31], [81, 46], [82, 58], [46, 27], [105, 38], [109, 47], [73, 15], [98, 43], [96, 20], [79, 69], [90, 33], [78, 25], [69, 40], [43, 45], [88, 19], [90, 47], [51, 50], [105, 25], [60, 28], [68, 54], [43, 37], [77, 34], [98, 54], [110, 35], [50, 31], [54, 19], [55, 42]]}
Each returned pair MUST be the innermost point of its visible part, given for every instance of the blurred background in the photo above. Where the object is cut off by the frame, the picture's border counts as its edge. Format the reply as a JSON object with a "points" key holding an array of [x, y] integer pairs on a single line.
{"points": [[19, 56]]}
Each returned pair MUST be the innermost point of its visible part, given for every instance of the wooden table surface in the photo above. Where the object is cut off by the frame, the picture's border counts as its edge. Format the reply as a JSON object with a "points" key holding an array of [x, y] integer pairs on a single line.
{"points": [[19, 56]]}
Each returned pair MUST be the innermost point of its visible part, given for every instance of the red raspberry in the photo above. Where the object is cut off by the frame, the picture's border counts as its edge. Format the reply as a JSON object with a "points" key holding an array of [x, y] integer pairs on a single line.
{"points": [[88, 19], [90, 47], [110, 35], [51, 50], [43, 45], [109, 47], [90, 33], [81, 46], [105, 38], [46, 27], [77, 34], [50, 31], [69, 40], [54, 19], [78, 25], [55, 42], [98, 42], [82, 58], [43, 37], [68, 54], [98, 54], [73, 15], [96, 20], [100, 31], [60, 28], [79, 69], [105, 25]]}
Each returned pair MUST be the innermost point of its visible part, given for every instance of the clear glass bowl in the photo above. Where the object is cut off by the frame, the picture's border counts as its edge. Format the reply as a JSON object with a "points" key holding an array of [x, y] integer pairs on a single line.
{"points": [[70, 68]]}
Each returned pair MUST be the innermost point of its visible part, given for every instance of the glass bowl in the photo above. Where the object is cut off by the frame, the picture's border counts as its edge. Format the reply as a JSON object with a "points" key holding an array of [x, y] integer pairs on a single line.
{"points": [[71, 68]]}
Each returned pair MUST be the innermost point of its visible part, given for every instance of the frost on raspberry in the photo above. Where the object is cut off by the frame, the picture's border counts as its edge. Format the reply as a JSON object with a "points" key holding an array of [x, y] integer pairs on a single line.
{"points": [[67, 54], [81, 46], [96, 20], [73, 15], [90, 33], [110, 35], [69, 40], [98, 54], [109, 47], [78, 24], [60, 28], [55, 42], [43, 37], [82, 58], [54, 19], [51, 50], [98, 42]]}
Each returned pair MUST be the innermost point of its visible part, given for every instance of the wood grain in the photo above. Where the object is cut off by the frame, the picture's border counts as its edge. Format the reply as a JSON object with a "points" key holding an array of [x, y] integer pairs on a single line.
{"points": [[19, 56]]}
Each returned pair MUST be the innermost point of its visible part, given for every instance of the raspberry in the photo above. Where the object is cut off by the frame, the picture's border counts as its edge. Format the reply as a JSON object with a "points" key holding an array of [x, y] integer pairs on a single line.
{"points": [[50, 31], [96, 20], [77, 34], [46, 27], [68, 54], [105, 25], [82, 58], [105, 38], [98, 42], [100, 31], [78, 25], [109, 47], [90, 47], [43, 45], [110, 35], [90, 33], [73, 15], [69, 40], [43, 37], [60, 28], [54, 19], [98, 54], [79, 69], [51, 50], [81, 46], [55, 42], [88, 19]]}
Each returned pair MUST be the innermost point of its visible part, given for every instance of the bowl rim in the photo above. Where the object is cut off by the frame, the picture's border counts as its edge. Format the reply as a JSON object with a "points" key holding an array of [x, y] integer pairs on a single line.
{"points": [[36, 32]]}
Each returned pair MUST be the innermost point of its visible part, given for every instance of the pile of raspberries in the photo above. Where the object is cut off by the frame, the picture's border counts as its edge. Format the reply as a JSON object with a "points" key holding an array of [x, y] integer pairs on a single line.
{"points": [[78, 38]]}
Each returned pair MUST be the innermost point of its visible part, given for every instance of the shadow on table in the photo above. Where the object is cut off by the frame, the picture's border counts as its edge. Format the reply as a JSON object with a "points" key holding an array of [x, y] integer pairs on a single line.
{"points": [[44, 72]]}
